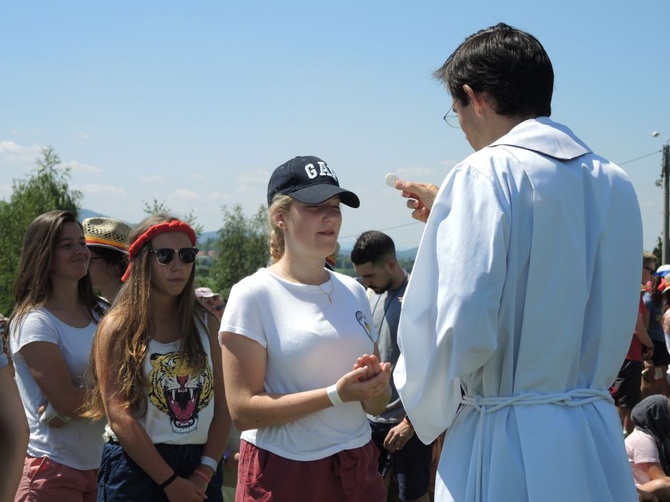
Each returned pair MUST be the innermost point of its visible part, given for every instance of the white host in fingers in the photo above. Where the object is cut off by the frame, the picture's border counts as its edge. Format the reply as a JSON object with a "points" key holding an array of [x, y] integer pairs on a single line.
{"points": [[390, 179]]}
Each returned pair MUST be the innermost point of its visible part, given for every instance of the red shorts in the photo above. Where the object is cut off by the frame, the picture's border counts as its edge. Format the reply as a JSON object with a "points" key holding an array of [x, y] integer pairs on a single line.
{"points": [[349, 475], [48, 481]]}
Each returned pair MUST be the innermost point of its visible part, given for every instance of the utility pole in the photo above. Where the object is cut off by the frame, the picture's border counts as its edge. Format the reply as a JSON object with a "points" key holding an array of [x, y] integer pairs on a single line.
{"points": [[665, 166], [665, 178]]}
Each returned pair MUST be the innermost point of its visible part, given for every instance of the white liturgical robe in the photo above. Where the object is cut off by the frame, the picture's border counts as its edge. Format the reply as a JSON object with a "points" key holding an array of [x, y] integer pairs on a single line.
{"points": [[517, 318]]}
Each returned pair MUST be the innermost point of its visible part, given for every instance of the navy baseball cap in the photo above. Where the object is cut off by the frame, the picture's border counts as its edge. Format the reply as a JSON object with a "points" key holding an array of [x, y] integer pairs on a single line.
{"points": [[309, 180]]}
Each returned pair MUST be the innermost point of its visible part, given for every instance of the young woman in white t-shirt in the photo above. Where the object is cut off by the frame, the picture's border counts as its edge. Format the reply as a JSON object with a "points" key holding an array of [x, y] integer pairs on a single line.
{"points": [[13, 429], [300, 360], [51, 332], [158, 367]]}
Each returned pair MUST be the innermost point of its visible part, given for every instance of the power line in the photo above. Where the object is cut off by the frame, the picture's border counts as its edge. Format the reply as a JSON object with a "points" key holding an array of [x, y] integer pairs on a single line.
{"points": [[418, 222], [384, 229], [639, 158]]}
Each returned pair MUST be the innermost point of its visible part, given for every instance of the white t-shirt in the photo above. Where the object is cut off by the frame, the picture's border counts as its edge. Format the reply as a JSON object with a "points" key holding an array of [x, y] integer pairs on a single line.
{"points": [[180, 404], [78, 444], [311, 343], [641, 449]]}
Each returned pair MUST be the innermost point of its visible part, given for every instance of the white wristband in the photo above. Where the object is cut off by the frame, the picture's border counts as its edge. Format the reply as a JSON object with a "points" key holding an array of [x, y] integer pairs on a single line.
{"points": [[209, 462], [333, 395]]}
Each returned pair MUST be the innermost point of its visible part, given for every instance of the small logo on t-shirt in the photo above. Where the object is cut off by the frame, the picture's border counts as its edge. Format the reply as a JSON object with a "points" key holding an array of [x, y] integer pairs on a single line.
{"points": [[360, 317]]}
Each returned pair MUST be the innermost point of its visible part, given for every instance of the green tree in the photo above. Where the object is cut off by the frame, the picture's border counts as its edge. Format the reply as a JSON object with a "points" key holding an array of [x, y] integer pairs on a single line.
{"points": [[155, 206], [45, 189], [241, 249], [658, 251]]}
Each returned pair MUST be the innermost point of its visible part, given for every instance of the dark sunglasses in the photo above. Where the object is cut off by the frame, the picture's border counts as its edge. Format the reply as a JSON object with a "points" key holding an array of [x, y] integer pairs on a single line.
{"points": [[651, 270], [165, 255]]}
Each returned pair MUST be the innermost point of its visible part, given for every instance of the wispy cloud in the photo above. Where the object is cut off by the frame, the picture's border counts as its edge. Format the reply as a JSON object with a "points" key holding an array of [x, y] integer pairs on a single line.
{"points": [[247, 188], [84, 135], [449, 163], [220, 196], [93, 188], [259, 176], [199, 178], [409, 172], [80, 167], [153, 179], [11, 151], [21, 132], [182, 193]]}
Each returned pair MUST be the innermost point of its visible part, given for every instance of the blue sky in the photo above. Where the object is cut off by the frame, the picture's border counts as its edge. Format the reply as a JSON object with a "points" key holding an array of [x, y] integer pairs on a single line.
{"points": [[195, 103]]}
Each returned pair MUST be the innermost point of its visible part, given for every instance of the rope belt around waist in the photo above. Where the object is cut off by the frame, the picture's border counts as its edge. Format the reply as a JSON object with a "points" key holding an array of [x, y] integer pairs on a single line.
{"points": [[488, 405], [577, 397]]}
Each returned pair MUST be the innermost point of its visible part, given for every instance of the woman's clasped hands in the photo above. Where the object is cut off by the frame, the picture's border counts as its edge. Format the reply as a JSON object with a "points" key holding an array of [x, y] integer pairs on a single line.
{"points": [[368, 379]]}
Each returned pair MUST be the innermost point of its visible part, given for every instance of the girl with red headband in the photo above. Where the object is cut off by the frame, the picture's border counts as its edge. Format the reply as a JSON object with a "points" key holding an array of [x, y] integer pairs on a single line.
{"points": [[160, 382]]}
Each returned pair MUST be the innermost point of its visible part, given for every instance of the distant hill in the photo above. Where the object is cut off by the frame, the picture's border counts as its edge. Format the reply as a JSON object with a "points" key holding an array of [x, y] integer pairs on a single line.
{"points": [[401, 254], [208, 235], [87, 213]]}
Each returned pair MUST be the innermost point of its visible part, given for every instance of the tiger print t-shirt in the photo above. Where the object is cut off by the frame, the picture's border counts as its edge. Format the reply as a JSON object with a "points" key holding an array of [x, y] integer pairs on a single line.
{"points": [[180, 404]]}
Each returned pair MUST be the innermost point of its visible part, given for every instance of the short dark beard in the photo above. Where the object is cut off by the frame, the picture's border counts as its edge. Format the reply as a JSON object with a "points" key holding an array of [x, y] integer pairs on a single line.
{"points": [[385, 288]]}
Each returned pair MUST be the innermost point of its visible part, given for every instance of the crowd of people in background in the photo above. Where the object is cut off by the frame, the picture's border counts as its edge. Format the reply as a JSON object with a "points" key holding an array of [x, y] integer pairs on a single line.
{"points": [[642, 387], [497, 353]]}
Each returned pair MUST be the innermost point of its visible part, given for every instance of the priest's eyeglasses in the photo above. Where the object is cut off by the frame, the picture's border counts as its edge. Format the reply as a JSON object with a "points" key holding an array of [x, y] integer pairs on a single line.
{"points": [[451, 118]]}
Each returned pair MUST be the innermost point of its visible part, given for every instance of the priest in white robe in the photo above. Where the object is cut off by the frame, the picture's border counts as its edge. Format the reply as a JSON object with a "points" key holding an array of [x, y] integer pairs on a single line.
{"points": [[523, 296]]}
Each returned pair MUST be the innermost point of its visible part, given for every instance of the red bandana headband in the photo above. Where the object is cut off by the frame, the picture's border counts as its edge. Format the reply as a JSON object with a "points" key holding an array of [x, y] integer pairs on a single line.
{"points": [[151, 232]]}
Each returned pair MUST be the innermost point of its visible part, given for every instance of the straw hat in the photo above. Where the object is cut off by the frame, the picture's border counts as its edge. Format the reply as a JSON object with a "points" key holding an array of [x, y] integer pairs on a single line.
{"points": [[107, 233]]}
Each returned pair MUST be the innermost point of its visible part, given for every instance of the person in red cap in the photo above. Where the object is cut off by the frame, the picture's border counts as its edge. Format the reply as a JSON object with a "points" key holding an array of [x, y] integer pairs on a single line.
{"points": [[291, 334]]}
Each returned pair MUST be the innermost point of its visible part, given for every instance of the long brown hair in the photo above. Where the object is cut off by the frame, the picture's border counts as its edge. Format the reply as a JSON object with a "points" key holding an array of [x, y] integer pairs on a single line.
{"points": [[131, 318], [33, 285]]}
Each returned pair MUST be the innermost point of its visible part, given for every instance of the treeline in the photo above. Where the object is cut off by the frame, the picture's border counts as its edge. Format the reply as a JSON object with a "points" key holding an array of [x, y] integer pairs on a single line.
{"points": [[239, 250], [45, 189], [240, 247]]}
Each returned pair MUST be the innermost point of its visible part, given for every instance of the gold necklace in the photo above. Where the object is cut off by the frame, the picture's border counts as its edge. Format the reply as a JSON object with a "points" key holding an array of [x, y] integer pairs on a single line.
{"points": [[330, 280], [332, 288]]}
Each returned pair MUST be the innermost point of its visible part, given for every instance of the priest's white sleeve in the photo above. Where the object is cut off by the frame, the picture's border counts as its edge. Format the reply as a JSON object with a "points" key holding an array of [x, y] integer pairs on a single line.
{"points": [[449, 315]]}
